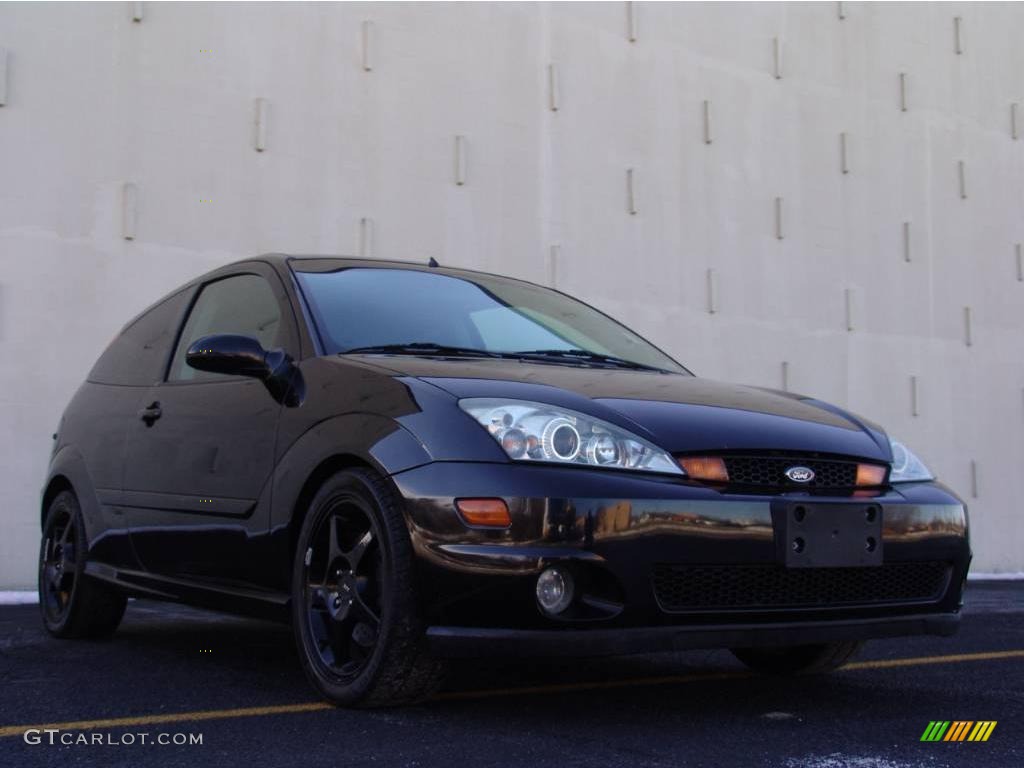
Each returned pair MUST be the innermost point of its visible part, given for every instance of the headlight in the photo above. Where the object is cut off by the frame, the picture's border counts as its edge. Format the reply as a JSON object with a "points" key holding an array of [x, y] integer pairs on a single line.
{"points": [[529, 431], [906, 467]]}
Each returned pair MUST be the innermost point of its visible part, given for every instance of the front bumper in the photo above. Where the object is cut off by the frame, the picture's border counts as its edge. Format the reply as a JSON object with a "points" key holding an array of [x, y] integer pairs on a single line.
{"points": [[469, 642], [613, 529]]}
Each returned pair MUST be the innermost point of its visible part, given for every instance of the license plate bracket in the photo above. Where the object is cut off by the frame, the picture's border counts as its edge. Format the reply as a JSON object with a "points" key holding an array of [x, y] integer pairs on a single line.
{"points": [[813, 535]]}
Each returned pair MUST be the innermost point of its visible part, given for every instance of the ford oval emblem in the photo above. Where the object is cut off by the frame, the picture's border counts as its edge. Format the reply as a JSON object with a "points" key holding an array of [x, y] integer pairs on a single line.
{"points": [[800, 474]]}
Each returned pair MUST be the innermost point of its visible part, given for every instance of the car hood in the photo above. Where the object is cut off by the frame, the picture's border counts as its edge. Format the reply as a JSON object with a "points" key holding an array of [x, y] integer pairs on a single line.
{"points": [[680, 413]]}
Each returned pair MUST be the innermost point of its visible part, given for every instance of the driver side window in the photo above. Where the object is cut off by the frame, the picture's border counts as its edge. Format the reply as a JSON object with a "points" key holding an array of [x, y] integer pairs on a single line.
{"points": [[243, 304]]}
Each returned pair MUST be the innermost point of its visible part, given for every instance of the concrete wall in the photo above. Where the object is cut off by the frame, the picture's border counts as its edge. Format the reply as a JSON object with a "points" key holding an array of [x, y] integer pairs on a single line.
{"points": [[360, 157]]}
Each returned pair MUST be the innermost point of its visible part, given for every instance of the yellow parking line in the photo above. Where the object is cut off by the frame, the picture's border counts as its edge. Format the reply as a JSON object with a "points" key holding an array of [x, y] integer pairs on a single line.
{"points": [[318, 706], [922, 660]]}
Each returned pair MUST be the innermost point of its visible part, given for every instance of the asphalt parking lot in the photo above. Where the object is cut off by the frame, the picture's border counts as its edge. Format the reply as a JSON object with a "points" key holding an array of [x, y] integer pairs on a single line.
{"points": [[237, 683]]}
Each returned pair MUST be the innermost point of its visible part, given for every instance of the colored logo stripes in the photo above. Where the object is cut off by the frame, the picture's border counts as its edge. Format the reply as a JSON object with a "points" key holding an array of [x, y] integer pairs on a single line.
{"points": [[958, 730]]}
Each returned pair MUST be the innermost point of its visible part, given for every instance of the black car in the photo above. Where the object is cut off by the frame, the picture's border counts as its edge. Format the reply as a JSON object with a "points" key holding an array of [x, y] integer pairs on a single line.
{"points": [[412, 463]]}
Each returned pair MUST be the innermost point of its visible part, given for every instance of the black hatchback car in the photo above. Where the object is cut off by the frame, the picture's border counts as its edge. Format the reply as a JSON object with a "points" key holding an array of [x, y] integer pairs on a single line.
{"points": [[413, 463]]}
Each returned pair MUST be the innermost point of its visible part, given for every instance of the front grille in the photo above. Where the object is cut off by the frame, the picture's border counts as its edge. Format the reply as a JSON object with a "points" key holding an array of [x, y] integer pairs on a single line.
{"points": [[680, 588], [769, 471]]}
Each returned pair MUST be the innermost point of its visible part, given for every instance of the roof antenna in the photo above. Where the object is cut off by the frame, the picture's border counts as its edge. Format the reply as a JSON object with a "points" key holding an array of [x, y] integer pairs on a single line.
{"points": [[433, 262]]}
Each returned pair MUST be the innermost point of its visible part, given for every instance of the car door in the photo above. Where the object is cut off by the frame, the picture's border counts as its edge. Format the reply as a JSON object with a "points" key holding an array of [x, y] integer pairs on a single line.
{"points": [[200, 457]]}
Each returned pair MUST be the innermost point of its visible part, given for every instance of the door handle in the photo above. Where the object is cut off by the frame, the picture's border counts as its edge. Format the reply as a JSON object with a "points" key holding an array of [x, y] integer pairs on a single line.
{"points": [[150, 414]]}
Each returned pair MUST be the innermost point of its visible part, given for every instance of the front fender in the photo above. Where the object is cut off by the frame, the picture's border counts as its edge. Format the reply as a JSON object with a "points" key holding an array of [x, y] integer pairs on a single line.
{"points": [[365, 438]]}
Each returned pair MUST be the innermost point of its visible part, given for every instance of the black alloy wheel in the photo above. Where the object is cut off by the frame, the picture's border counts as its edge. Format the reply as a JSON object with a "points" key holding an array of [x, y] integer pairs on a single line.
{"points": [[72, 603], [343, 587], [355, 611], [58, 564]]}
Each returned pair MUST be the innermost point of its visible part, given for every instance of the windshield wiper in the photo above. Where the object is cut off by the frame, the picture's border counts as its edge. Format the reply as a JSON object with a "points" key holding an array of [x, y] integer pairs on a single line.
{"points": [[429, 348], [420, 348], [582, 356]]}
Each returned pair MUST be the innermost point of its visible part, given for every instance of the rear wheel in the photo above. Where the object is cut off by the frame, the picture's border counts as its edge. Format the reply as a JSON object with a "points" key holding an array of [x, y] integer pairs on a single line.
{"points": [[354, 608], [799, 659], [72, 604]]}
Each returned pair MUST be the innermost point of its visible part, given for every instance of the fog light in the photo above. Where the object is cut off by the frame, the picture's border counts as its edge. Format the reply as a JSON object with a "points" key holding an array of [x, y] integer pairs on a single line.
{"points": [[554, 590]]}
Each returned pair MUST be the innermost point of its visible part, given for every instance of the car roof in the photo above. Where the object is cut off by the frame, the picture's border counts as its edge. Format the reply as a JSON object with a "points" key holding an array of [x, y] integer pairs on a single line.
{"points": [[283, 261]]}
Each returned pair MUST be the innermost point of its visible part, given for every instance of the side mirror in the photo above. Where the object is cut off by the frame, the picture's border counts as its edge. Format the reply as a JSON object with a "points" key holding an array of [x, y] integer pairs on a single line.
{"points": [[231, 354], [238, 355]]}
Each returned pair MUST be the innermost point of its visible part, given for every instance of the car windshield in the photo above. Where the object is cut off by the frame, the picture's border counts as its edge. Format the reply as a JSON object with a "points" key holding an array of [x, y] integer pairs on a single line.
{"points": [[411, 311]]}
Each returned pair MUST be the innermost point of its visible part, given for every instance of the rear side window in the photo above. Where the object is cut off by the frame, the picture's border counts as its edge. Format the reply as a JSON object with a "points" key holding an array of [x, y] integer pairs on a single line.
{"points": [[243, 304], [139, 353]]}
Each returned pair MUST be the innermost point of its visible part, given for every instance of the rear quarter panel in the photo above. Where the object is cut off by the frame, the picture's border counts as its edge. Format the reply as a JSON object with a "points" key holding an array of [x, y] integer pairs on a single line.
{"points": [[89, 454]]}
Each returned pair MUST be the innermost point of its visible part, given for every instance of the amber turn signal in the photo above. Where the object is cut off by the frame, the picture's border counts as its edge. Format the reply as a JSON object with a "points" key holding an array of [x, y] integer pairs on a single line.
{"points": [[709, 468], [485, 513], [870, 474]]}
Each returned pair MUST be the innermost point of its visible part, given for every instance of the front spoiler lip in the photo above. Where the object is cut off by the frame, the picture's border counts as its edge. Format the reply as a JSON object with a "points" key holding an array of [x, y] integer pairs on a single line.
{"points": [[470, 642]]}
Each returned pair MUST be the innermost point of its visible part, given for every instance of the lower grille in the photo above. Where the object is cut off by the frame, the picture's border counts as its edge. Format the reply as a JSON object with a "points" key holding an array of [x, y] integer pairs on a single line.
{"points": [[680, 588]]}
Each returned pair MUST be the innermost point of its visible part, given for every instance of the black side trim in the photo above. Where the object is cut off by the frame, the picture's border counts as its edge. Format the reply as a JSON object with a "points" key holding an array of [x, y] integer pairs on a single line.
{"points": [[179, 502], [218, 596]]}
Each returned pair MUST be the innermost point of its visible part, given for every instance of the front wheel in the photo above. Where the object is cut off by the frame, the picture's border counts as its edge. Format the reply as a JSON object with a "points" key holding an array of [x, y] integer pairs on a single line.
{"points": [[799, 659], [354, 607]]}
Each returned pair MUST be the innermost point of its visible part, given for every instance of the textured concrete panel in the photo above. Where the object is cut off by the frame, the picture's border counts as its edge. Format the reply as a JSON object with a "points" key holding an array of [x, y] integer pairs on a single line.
{"points": [[804, 195]]}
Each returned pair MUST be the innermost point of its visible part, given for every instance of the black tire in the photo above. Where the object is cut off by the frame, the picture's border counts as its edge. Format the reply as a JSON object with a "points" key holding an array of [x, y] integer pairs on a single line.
{"points": [[355, 611], [72, 604], [799, 659]]}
